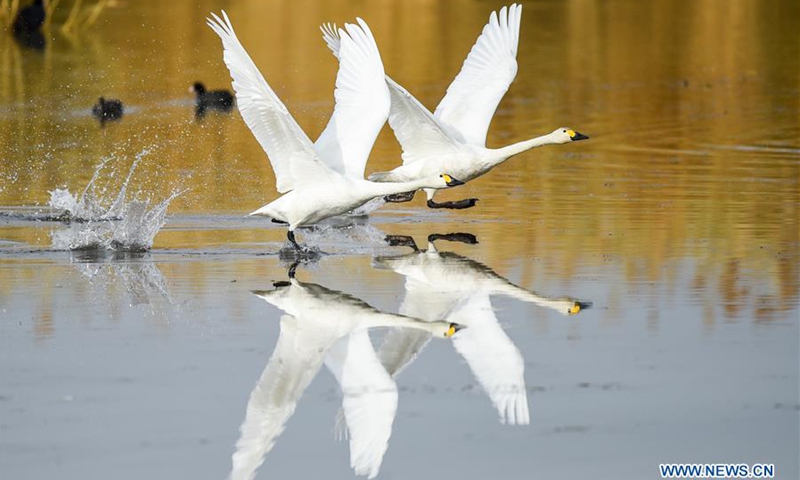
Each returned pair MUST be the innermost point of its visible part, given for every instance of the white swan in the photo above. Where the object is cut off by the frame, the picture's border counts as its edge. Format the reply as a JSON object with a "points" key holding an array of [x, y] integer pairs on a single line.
{"points": [[314, 191], [316, 318], [444, 285], [453, 139]]}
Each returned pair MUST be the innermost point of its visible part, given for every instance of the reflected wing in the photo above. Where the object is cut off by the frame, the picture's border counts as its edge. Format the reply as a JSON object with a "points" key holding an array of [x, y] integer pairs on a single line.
{"points": [[484, 78], [400, 347], [362, 100], [289, 371], [290, 152], [494, 360], [369, 400]]}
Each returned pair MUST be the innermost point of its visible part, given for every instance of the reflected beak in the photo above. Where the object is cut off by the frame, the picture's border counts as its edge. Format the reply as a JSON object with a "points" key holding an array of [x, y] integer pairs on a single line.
{"points": [[453, 182], [454, 327], [578, 306], [578, 136]]}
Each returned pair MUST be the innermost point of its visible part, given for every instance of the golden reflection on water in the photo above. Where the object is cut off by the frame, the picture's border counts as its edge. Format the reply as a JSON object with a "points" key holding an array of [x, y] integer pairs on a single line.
{"points": [[693, 108]]}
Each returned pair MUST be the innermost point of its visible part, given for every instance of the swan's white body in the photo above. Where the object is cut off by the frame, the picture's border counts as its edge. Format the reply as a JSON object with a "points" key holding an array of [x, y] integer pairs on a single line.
{"points": [[453, 139], [446, 286], [316, 319], [318, 182]]}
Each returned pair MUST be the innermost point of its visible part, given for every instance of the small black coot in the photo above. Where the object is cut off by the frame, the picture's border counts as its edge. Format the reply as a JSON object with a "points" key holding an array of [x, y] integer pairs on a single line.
{"points": [[30, 18], [106, 110], [221, 100]]}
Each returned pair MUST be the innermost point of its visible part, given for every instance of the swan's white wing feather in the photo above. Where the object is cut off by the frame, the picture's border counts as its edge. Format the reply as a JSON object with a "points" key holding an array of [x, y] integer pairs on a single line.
{"points": [[290, 152], [289, 371], [484, 78], [362, 101], [418, 132], [493, 358], [331, 36], [369, 400]]}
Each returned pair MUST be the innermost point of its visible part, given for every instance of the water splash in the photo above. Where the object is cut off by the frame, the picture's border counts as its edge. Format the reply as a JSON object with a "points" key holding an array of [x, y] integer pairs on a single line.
{"points": [[98, 221]]}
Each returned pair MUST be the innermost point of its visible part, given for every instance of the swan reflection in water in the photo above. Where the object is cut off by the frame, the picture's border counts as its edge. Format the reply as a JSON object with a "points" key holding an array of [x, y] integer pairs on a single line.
{"points": [[442, 286], [323, 325]]}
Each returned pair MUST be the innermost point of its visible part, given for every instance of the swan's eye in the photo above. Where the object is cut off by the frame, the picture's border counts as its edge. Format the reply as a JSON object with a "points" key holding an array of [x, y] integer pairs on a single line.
{"points": [[563, 131], [441, 176]]}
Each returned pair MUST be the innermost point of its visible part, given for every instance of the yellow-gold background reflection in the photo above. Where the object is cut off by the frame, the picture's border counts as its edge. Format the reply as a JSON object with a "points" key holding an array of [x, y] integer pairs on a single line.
{"points": [[693, 108]]}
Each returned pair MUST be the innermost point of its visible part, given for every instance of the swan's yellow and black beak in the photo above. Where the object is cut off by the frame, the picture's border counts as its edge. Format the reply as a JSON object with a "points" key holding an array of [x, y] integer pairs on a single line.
{"points": [[577, 307], [451, 182], [454, 327], [575, 136]]}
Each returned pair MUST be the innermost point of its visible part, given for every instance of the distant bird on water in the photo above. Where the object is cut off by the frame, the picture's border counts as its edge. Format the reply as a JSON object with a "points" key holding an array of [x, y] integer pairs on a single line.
{"points": [[106, 110], [221, 100], [27, 26], [30, 18]]}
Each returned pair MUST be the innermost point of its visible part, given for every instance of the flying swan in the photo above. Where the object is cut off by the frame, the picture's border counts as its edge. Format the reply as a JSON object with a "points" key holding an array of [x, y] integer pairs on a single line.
{"points": [[453, 139], [312, 190]]}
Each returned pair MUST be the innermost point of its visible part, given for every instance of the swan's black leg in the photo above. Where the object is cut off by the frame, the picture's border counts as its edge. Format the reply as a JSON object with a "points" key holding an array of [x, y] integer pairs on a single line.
{"points": [[401, 241], [467, 238], [400, 197], [293, 268], [296, 245], [457, 205], [275, 220]]}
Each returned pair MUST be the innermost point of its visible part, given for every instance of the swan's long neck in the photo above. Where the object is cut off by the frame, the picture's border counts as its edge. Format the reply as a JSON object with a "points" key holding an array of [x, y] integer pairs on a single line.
{"points": [[377, 189], [504, 287], [392, 320], [500, 155]]}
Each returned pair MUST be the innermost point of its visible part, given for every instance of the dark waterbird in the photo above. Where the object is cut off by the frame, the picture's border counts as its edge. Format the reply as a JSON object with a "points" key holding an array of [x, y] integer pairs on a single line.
{"points": [[30, 18], [27, 26], [106, 110], [221, 100]]}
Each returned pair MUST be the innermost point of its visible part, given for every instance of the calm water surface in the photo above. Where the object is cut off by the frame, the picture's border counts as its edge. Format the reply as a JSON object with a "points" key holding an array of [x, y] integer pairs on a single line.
{"points": [[678, 221]]}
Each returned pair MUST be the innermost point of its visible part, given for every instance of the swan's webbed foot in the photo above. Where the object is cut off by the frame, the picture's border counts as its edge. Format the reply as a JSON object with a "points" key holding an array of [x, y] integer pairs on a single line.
{"points": [[467, 238], [456, 205], [400, 197], [401, 241]]}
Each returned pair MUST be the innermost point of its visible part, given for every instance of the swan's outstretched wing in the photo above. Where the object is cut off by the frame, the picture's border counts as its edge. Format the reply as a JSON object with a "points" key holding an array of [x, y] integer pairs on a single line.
{"points": [[494, 360], [290, 152], [418, 132], [290, 369], [362, 100], [369, 400], [484, 78]]}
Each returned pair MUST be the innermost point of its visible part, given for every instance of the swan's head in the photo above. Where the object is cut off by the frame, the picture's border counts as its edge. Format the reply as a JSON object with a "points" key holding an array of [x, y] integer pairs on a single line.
{"points": [[447, 330], [446, 180], [566, 135], [577, 307]]}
